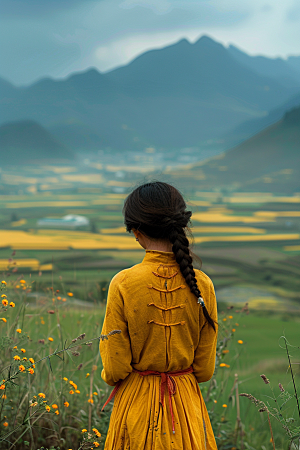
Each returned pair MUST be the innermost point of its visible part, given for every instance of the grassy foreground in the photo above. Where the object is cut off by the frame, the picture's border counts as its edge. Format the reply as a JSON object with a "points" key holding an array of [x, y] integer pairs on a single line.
{"points": [[51, 391]]}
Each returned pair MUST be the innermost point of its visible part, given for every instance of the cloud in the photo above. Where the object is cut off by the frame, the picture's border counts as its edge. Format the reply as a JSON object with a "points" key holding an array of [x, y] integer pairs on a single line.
{"points": [[56, 37]]}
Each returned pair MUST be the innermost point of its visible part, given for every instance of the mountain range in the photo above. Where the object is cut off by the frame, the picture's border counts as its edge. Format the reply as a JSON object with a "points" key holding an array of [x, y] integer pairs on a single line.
{"points": [[268, 161], [180, 96]]}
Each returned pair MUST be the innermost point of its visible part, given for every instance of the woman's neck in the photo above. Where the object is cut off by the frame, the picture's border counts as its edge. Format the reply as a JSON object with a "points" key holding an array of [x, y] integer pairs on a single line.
{"points": [[161, 246]]}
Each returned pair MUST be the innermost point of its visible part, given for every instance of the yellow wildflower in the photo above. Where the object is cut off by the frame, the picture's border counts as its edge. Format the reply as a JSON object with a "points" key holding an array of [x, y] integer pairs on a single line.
{"points": [[83, 431], [3, 282], [57, 412], [48, 408], [77, 391], [4, 302], [230, 317], [222, 365], [240, 341], [4, 396], [65, 378], [22, 368], [23, 350], [96, 444], [4, 320], [15, 346], [224, 406], [31, 360], [224, 320], [24, 358], [90, 400], [12, 305], [3, 296], [50, 339], [71, 392], [18, 330], [87, 375], [70, 294], [22, 281], [233, 330], [17, 358], [42, 395], [31, 370], [54, 406], [66, 404], [95, 393]]}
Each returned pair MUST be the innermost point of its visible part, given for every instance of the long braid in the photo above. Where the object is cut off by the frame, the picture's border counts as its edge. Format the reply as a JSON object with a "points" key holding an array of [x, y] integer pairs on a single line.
{"points": [[181, 251]]}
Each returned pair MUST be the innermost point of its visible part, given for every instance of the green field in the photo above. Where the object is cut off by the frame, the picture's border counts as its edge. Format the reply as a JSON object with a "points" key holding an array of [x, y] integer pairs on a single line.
{"points": [[248, 243]]}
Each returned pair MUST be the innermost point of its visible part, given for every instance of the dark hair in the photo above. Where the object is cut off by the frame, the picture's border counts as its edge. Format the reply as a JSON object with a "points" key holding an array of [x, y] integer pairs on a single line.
{"points": [[158, 210]]}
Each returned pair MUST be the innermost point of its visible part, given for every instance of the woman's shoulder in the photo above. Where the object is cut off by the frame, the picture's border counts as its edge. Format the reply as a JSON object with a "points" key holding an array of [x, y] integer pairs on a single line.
{"points": [[203, 278], [123, 275]]}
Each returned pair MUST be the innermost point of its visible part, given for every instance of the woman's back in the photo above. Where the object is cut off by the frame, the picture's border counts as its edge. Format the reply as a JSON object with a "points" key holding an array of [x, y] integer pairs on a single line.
{"points": [[165, 325]]}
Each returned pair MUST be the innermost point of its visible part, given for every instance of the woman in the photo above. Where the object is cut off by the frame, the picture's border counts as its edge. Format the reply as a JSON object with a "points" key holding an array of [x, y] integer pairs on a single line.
{"points": [[166, 311]]}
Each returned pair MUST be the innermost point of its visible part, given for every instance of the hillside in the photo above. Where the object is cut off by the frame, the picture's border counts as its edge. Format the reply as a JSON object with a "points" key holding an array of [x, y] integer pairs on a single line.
{"points": [[178, 96], [269, 161], [27, 141]]}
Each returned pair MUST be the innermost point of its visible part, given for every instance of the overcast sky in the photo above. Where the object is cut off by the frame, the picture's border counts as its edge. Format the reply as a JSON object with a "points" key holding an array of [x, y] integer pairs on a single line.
{"points": [[56, 37]]}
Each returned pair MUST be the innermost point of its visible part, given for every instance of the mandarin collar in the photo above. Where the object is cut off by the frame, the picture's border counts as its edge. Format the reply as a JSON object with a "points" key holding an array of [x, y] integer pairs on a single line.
{"points": [[156, 256]]}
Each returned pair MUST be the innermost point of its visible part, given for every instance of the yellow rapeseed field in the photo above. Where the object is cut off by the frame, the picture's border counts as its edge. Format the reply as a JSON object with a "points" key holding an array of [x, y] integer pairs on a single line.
{"points": [[249, 238]]}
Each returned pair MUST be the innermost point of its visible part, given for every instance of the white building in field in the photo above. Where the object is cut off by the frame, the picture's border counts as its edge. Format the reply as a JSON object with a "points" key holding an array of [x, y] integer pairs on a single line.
{"points": [[69, 221]]}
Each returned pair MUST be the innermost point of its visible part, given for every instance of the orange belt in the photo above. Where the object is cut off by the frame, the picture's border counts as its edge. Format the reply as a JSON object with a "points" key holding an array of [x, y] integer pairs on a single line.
{"points": [[167, 381]]}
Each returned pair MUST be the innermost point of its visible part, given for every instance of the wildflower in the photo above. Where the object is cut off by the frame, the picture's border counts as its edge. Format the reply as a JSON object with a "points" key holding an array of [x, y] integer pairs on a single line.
{"points": [[70, 294], [57, 412], [64, 299], [4, 302], [77, 391], [224, 406], [215, 401], [2, 386], [31, 370], [3, 296], [18, 287], [95, 393], [71, 392], [42, 395], [42, 322], [18, 330], [17, 358], [4, 320], [223, 365], [15, 346], [48, 408], [96, 444], [224, 320], [91, 401], [240, 341], [87, 375], [233, 330], [4, 396], [24, 358], [54, 406], [225, 351], [227, 365], [3, 282], [23, 350], [281, 387], [22, 282], [73, 384], [58, 298], [65, 378], [33, 404], [31, 360], [5, 424], [84, 430], [50, 339], [66, 404], [22, 368], [12, 305], [97, 433], [237, 324], [266, 381]]}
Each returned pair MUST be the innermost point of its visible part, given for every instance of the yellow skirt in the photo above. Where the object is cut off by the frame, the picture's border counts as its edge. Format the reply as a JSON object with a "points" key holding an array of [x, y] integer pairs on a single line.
{"points": [[139, 422]]}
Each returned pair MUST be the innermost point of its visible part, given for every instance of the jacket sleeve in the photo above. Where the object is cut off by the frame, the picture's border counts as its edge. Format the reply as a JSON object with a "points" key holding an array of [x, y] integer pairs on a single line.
{"points": [[116, 350], [205, 354]]}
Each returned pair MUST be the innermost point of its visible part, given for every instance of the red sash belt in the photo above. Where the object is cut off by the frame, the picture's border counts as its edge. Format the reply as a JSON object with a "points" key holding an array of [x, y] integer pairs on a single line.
{"points": [[167, 382]]}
